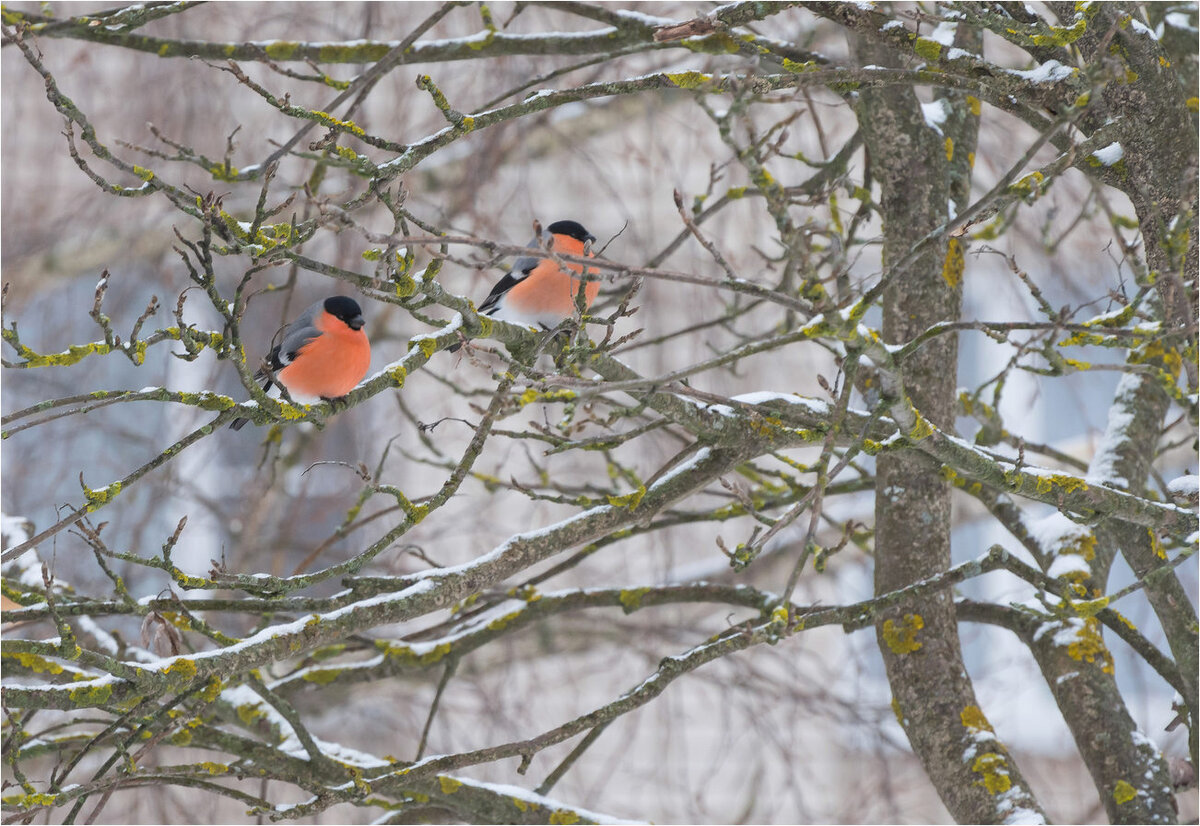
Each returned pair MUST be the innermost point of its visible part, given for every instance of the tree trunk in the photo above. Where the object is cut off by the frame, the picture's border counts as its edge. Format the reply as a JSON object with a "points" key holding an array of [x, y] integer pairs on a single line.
{"points": [[933, 696]]}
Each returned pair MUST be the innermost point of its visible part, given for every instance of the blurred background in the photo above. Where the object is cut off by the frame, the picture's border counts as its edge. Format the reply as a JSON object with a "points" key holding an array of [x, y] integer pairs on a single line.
{"points": [[801, 732]]}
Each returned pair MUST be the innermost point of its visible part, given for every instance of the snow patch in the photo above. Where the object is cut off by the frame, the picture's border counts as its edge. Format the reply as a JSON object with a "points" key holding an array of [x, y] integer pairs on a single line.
{"points": [[1141, 740], [1175, 19], [1070, 631], [935, 114], [1049, 72], [16, 530], [1110, 154], [1069, 565], [1056, 532], [1102, 469], [944, 33], [817, 406], [651, 20], [682, 467], [1066, 631], [547, 803], [1185, 485], [1141, 28], [26, 569]]}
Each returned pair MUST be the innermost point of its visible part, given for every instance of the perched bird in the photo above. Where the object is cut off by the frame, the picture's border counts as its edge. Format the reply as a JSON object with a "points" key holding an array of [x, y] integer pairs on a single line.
{"points": [[537, 291], [323, 355]]}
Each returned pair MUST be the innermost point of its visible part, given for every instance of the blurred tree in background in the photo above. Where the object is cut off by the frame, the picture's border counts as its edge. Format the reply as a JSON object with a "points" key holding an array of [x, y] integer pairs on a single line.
{"points": [[897, 331]]}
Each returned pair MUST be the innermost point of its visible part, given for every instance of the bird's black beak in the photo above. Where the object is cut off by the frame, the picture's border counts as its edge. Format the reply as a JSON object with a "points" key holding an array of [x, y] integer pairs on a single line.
{"points": [[356, 323]]}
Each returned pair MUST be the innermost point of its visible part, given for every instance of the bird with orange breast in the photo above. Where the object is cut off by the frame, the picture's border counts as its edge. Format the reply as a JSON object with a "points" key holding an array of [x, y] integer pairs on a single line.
{"points": [[323, 355], [538, 292]]}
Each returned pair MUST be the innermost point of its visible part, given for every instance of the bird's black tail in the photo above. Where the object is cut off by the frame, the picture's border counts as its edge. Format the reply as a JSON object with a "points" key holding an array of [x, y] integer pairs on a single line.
{"points": [[238, 424]]}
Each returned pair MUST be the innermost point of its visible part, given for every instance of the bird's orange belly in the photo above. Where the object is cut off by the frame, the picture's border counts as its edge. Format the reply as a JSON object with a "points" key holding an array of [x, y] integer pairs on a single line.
{"points": [[549, 291], [329, 366]]}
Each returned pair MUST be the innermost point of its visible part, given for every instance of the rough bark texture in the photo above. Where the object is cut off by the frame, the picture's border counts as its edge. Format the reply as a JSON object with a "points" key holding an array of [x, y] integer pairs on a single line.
{"points": [[1128, 769], [1149, 106], [1140, 405], [934, 698]]}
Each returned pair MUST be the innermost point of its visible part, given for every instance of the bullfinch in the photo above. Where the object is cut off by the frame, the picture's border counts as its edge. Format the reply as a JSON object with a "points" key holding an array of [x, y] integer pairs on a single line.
{"points": [[323, 354], [537, 292]]}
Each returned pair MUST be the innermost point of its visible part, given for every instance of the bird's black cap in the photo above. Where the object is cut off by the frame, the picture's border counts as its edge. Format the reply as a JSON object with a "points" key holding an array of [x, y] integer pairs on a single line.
{"points": [[572, 229], [345, 308]]}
